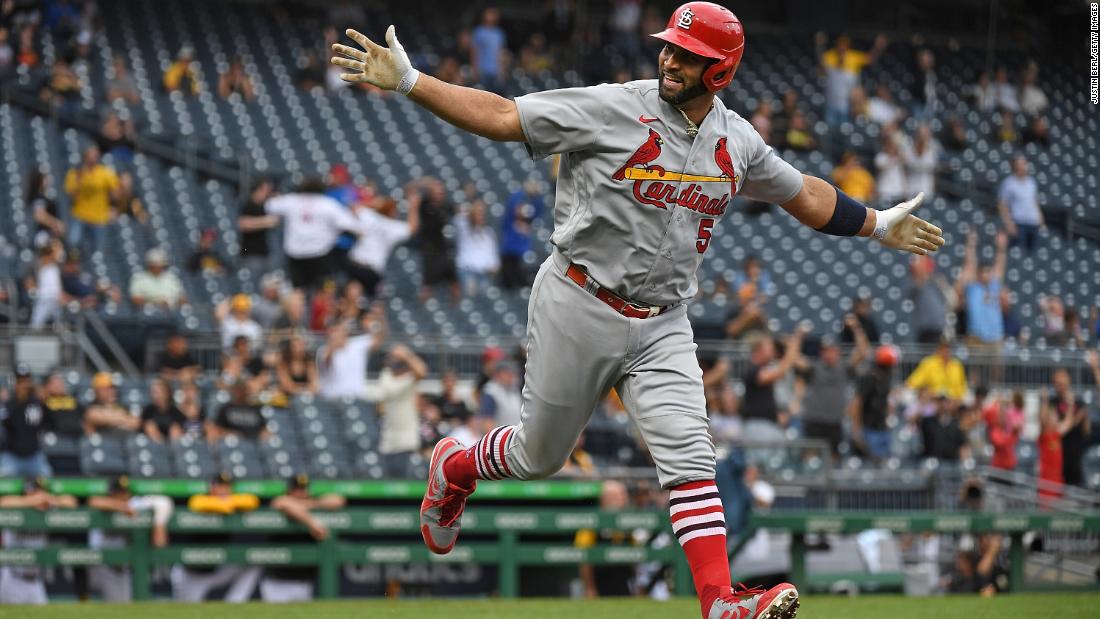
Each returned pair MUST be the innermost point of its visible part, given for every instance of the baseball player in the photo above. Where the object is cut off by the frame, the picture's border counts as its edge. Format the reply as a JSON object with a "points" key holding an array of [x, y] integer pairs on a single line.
{"points": [[114, 582], [193, 583], [648, 168], [295, 583], [24, 584]]}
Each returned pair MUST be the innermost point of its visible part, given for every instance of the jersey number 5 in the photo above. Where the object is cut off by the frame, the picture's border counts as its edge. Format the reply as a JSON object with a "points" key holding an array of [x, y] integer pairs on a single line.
{"points": [[703, 242]]}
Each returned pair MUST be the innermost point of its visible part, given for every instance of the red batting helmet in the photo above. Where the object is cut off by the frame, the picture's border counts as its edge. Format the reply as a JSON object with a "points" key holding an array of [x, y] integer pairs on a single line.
{"points": [[711, 31]]}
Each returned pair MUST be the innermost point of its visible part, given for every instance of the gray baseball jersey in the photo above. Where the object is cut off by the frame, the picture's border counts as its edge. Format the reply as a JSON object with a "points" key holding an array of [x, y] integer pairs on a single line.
{"points": [[637, 197], [637, 202]]}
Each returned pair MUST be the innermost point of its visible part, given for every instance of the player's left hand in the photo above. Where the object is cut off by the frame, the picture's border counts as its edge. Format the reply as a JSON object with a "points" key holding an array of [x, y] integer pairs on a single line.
{"points": [[898, 228]]}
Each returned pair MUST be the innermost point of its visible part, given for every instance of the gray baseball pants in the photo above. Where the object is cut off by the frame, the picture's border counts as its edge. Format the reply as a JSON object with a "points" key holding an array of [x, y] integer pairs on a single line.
{"points": [[578, 349]]}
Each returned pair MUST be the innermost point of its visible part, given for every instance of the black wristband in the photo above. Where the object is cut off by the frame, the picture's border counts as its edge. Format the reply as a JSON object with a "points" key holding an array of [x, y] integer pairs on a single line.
{"points": [[848, 216]]}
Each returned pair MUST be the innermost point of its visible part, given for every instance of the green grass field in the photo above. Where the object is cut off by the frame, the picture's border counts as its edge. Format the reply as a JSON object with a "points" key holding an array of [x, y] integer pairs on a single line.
{"points": [[1037, 606]]}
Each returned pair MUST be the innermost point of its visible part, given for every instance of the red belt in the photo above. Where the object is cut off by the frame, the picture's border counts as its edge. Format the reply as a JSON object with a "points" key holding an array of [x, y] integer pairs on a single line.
{"points": [[617, 303]]}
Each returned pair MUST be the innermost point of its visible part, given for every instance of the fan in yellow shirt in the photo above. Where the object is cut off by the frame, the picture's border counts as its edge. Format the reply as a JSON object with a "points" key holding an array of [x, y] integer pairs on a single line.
{"points": [[847, 59], [92, 187], [180, 75], [854, 179], [940, 372]]}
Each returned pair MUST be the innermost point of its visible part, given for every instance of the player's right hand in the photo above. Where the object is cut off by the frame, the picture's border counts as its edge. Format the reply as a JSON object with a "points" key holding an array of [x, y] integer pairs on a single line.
{"points": [[373, 64]]}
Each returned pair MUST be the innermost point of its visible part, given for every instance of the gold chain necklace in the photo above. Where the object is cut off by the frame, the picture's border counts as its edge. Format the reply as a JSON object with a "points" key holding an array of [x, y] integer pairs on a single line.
{"points": [[692, 128]]}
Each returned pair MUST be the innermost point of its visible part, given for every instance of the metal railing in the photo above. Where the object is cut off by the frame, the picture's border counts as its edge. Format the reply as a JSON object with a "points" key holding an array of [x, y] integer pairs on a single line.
{"points": [[1018, 367]]}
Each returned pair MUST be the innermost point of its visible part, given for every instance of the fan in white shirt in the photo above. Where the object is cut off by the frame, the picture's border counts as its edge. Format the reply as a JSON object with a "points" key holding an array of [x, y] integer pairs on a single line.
{"points": [[881, 108], [234, 317], [891, 181], [921, 159], [49, 295], [312, 223], [1032, 99], [1005, 93], [477, 250], [342, 361], [382, 233]]}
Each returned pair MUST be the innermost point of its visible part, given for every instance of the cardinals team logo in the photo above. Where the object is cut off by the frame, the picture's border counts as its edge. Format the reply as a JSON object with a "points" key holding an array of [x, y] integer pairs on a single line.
{"points": [[643, 156], [725, 164], [686, 17], [656, 186]]}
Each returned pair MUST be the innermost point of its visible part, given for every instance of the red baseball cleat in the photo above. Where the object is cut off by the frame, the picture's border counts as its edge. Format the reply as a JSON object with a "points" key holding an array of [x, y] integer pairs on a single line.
{"points": [[441, 509], [779, 602]]}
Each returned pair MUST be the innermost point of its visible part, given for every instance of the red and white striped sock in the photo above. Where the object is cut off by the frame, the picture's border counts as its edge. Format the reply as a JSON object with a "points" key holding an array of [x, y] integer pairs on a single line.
{"points": [[486, 459], [700, 525]]}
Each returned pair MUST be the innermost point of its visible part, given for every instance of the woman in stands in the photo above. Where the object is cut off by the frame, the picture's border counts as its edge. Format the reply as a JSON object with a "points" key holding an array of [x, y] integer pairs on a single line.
{"points": [[194, 418], [160, 419], [47, 216], [296, 370], [1051, 431]]}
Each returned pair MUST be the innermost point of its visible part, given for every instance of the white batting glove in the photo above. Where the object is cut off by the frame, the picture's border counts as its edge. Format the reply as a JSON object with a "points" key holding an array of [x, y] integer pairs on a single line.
{"points": [[898, 228], [388, 69]]}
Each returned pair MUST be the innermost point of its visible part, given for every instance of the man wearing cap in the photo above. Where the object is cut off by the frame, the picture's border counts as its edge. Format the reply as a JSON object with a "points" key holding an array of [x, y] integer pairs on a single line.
{"points": [[870, 407], [24, 584], [105, 413], [828, 380], [235, 319], [23, 418], [192, 583], [500, 397], [113, 582], [397, 405], [295, 583], [266, 307], [157, 285]]}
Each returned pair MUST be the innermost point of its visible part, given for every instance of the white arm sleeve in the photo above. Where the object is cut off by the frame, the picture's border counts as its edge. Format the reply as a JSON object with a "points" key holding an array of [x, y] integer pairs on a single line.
{"points": [[161, 506]]}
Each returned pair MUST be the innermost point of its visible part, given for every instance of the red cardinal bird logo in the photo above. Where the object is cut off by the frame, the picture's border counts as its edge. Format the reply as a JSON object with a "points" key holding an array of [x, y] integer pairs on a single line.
{"points": [[646, 153], [722, 158]]}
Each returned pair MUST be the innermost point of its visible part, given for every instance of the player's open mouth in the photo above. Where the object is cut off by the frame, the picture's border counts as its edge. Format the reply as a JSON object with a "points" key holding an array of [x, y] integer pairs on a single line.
{"points": [[670, 82]]}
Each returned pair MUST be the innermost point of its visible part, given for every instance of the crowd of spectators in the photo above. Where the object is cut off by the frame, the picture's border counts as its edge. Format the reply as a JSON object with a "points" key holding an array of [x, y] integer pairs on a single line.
{"points": [[856, 402]]}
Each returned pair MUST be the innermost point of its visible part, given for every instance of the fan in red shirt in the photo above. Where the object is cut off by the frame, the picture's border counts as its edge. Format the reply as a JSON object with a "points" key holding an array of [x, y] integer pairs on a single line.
{"points": [[1051, 431], [1003, 421]]}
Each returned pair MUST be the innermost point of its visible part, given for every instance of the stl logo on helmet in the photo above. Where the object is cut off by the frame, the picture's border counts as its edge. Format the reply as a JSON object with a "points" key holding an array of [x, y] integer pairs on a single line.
{"points": [[686, 16]]}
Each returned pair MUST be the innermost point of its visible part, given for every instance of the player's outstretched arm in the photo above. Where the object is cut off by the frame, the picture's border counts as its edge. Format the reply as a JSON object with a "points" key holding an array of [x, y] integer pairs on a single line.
{"points": [[476, 111], [826, 209]]}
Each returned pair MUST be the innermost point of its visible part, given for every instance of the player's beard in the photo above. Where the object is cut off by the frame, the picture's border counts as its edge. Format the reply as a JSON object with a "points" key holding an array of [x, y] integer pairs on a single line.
{"points": [[687, 92]]}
